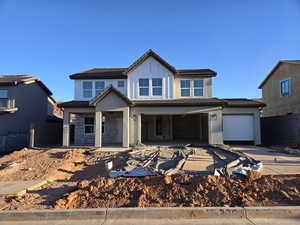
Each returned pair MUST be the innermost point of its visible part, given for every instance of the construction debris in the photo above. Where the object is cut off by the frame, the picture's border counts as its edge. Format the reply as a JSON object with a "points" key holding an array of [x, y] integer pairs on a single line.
{"points": [[189, 159]]}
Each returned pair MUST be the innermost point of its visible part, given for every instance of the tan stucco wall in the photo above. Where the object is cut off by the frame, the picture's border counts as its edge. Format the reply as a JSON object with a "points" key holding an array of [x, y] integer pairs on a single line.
{"points": [[281, 105], [207, 85]]}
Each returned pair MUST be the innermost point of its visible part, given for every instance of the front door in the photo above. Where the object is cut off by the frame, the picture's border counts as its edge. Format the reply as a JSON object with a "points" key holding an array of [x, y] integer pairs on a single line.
{"points": [[144, 131]]}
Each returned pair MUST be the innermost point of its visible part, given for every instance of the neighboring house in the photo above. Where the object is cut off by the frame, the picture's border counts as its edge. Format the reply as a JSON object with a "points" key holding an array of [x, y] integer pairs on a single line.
{"points": [[151, 101], [24, 100], [281, 89]]}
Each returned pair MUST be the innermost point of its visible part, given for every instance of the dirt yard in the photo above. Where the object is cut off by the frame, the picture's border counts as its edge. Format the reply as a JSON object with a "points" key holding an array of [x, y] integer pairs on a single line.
{"points": [[77, 178], [32, 164], [59, 169], [184, 191]]}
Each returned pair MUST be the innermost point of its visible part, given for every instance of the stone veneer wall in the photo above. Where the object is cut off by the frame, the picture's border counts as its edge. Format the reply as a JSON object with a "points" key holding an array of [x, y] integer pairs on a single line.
{"points": [[80, 137]]}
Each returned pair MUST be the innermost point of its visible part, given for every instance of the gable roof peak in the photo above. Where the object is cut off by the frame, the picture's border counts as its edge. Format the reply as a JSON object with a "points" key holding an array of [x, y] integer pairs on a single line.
{"points": [[145, 56], [105, 92], [275, 68]]}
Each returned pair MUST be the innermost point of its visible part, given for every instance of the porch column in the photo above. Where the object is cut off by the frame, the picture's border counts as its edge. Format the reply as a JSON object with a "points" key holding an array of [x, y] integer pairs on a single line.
{"points": [[98, 129], [139, 128], [126, 127], [66, 129], [215, 129]]}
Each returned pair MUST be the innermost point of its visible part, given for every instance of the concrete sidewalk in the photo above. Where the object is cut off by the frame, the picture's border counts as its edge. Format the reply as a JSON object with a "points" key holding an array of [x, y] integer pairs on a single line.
{"points": [[19, 187], [274, 163]]}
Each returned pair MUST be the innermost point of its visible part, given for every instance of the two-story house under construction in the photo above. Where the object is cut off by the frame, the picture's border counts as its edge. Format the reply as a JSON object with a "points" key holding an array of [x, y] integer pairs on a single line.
{"points": [[151, 101]]}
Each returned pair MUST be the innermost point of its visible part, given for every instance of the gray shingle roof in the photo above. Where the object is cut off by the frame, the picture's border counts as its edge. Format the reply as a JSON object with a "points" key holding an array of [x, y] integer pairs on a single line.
{"points": [[181, 102], [15, 79], [101, 73], [238, 102], [243, 102]]}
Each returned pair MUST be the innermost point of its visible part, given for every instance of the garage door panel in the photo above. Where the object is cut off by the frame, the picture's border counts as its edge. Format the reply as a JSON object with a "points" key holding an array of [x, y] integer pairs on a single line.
{"points": [[238, 127]]}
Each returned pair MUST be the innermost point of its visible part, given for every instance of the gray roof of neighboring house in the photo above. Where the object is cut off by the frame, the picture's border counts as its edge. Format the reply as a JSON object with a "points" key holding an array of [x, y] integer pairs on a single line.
{"points": [[121, 73], [275, 67], [240, 102], [14, 80]]}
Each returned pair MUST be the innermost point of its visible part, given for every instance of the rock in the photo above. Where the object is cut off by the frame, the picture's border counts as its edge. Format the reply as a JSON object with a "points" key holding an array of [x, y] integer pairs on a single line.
{"points": [[83, 184], [253, 175], [168, 179]]}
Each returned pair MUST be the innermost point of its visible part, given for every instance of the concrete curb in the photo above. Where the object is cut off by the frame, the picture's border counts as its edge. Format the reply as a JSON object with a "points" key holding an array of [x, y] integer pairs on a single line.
{"points": [[154, 213]]}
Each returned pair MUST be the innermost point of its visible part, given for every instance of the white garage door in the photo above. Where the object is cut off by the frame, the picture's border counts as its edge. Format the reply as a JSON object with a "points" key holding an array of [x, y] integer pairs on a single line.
{"points": [[238, 128]]}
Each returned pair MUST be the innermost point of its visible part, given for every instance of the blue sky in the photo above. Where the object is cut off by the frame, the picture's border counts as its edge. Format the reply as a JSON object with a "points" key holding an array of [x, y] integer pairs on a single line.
{"points": [[240, 39]]}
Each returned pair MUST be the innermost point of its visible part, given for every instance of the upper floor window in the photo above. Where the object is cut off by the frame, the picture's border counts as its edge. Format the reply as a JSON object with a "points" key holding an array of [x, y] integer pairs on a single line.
{"points": [[157, 87], [191, 88], [185, 88], [3, 93], [121, 84], [99, 86], [87, 89], [3, 98], [198, 88], [285, 87], [144, 87]]}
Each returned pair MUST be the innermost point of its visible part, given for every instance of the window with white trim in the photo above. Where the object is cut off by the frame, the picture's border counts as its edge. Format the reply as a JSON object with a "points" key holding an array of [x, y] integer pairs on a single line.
{"points": [[191, 88], [185, 88], [121, 84], [144, 87], [156, 86], [285, 87], [198, 88], [99, 87], [88, 125], [87, 87]]}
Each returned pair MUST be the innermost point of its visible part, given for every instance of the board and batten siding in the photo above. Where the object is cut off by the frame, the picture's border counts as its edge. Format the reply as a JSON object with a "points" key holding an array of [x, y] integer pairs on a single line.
{"points": [[150, 68], [78, 87]]}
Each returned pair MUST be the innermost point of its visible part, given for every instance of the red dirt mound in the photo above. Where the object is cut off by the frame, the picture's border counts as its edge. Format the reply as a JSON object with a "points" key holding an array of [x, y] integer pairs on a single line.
{"points": [[183, 190]]}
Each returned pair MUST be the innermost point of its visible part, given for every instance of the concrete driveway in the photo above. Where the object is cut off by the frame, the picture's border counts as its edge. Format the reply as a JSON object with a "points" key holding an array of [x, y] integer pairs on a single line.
{"points": [[274, 163]]}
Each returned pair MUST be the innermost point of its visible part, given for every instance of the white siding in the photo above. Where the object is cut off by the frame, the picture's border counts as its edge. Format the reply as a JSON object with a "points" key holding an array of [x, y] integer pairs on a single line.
{"points": [[78, 92], [150, 68]]}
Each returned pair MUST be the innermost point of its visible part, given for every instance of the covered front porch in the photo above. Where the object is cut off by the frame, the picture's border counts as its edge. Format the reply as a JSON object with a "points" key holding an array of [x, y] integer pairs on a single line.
{"points": [[83, 129], [104, 121]]}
